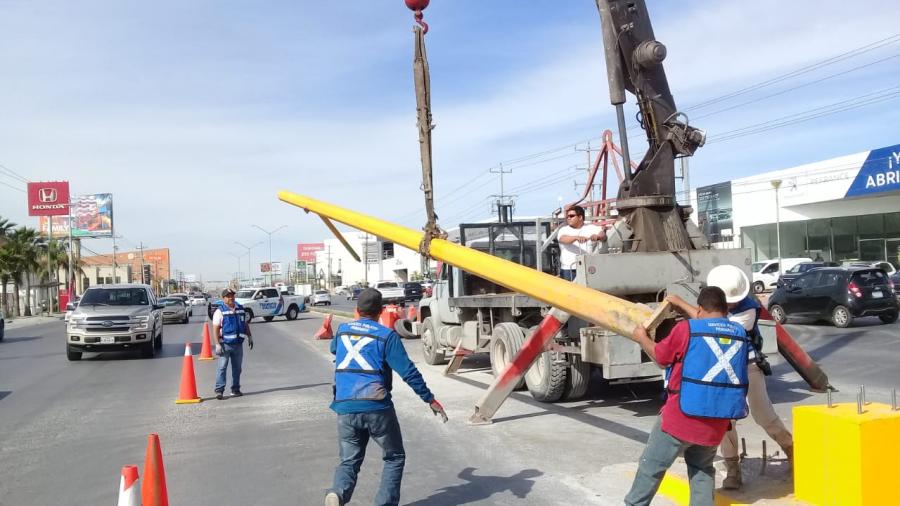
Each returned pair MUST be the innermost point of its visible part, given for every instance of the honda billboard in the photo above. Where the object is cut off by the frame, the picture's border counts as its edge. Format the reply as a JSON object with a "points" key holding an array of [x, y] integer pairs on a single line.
{"points": [[48, 198]]}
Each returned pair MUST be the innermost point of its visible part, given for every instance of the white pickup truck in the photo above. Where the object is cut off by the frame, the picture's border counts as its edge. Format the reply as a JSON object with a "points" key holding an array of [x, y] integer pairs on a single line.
{"points": [[268, 303], [392, 292]]}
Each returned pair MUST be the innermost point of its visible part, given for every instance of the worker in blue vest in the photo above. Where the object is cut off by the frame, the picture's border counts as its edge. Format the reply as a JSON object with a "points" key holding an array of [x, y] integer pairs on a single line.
{"points": [[230, 328], [366, 354], [744, 310], [707, 389]]}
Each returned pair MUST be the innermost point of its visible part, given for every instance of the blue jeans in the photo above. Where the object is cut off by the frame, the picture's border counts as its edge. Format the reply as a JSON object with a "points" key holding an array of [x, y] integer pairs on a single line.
{"points": [[234, 352], [567, 274], [354, 431], [661, 451]]}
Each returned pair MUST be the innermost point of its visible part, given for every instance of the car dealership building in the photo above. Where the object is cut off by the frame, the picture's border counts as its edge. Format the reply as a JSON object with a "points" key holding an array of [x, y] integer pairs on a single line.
{"points": [[845, 208]]}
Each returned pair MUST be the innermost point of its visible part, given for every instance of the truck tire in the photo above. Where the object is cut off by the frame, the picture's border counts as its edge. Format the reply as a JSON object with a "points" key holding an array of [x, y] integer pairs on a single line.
{"points": [[506, 342], [430, 350], [546, 378], [403, 328], [157, 343], [72, 355], [148, 350], [578, 380], [292, 312]]}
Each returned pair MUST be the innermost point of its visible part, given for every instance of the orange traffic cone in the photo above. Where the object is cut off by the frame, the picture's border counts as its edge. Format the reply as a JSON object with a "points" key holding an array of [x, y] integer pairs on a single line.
{"points": [[411, 313], [129, 486], [187, 392], [153, 490], [390, 315], [205, 351], [325, 331]]}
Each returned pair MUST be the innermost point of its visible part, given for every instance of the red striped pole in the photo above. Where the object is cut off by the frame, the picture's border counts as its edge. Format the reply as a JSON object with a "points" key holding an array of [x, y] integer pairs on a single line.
{"points": [[506, 382]]}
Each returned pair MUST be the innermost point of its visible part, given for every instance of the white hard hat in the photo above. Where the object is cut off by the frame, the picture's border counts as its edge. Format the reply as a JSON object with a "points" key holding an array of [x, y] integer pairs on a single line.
{"points": [[731, 280]]}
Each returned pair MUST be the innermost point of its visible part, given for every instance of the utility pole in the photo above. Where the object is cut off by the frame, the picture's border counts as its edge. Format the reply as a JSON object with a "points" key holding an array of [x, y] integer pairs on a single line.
{"points": [[503, 198], [366, 259], [328, 283], [269, 233], [777, 184], [115, 264], [686, 179], [141, 247], [588, 167], [249, 267]]}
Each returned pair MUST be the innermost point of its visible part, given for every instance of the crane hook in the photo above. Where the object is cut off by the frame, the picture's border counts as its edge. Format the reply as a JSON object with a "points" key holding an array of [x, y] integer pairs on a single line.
{"points": [[417, 6]]}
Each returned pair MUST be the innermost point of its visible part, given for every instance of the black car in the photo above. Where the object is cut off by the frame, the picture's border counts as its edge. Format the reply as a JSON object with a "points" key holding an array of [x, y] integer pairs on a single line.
{"points": [[212, 305], [896, 280], [353, 292], [801, 268], [412, 290], [836, 294]]}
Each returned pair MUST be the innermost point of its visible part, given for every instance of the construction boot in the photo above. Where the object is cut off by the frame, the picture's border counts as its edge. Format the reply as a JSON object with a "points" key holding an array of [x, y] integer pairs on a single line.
{"points": [[732, 479], [332, 499]]}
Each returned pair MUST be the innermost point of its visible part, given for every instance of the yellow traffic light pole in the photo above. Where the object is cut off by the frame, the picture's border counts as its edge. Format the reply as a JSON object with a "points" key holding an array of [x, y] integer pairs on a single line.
{"points": [[611, 313]]}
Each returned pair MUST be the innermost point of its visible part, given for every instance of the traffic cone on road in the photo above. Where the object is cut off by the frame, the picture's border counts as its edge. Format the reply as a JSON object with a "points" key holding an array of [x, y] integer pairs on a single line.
{"points": [[187, 392], [129, 487], [153, 490], [411, 313], [205, 349], [325, 331]]}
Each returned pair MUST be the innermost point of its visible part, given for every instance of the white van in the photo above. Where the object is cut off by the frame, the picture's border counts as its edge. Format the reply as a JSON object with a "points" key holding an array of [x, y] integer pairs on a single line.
{"points": [[767, 272]]}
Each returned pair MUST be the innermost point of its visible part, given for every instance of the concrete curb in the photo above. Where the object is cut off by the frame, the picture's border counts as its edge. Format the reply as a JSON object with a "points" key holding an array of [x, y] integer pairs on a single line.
{"points": [[21, 322], [335, 312]]}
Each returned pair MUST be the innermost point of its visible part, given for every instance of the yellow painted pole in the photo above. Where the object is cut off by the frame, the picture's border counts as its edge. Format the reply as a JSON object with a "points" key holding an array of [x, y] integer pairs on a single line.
{"points": [[612, 313]]}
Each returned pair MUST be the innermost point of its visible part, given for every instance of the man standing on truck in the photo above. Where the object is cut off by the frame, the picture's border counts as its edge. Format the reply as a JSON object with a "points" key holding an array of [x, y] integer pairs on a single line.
{"points": [[575, 238], [230, 328], [707, 371], [744, 310], [366, 354]]}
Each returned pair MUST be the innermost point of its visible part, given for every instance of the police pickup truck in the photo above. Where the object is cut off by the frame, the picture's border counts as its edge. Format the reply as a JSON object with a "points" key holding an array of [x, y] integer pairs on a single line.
{"points": [[268, 303]]}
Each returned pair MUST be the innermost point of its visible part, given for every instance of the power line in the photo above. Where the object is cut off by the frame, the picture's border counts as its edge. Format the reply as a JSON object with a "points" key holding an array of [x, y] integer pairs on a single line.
{"points": [[13, 174], [13, 187]]}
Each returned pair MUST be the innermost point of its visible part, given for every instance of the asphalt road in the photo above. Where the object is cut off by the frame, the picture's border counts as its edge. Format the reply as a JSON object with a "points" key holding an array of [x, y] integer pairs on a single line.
{"points": [[66, 428]]}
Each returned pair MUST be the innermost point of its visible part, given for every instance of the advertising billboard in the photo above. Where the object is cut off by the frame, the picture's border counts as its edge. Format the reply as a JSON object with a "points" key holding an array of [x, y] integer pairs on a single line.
{"points": [[48, 198], [307, 251], [276, 268], [92, 216], [265, 267], [714, 211]]}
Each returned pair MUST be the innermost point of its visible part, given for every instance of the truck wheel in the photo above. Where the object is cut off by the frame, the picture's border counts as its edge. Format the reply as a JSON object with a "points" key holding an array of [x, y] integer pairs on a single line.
{"points": [[433, 354], [292, 313], [578, 380], [148, 350], [506, 341], [546, 378], [268, 318], [759, 287], [157, 343], [404, 329], [72, 355]]}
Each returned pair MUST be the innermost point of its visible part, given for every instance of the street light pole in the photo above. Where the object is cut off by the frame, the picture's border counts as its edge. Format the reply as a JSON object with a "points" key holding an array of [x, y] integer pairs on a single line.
{"points": [[249, 267], [776, 183], [269, 233], [238, 258]]}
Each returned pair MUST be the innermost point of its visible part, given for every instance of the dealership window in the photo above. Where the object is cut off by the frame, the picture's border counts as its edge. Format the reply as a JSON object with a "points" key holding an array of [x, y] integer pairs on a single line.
{"points": [[793, 240], [818, 240], [846, 245], [871, 226]]}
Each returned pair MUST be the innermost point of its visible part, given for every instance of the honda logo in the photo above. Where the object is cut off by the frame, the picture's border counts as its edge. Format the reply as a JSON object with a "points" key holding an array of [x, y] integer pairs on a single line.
{"points": [[47, 195]]}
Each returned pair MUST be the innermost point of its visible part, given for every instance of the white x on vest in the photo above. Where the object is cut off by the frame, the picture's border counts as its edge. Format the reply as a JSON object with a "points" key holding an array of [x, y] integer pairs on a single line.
{"points": [[722, 360], [353, 352]]}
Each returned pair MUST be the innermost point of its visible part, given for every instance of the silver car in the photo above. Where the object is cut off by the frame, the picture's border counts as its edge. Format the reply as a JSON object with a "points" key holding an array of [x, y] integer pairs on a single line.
{"points": [[174, 310]]}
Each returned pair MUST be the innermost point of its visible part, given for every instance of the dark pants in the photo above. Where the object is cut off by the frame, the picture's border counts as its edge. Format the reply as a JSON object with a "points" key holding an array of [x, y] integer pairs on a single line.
{"points": [[567, 274], [661, 451], [354, 431]]}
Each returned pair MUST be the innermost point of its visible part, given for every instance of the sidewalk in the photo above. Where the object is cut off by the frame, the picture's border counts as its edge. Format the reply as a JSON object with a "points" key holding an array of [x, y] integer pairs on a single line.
{"points": [[21, 322]]}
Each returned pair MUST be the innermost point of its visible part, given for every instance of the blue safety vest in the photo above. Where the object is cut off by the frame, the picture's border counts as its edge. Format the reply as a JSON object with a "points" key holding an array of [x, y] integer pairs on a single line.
{"points": [[234, 328], [714, 374], [361, 372], [746, 304]]}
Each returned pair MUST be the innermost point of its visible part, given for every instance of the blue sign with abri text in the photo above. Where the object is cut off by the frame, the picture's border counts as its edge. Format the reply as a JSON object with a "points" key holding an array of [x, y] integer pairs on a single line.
{"points": [[879, 173]]}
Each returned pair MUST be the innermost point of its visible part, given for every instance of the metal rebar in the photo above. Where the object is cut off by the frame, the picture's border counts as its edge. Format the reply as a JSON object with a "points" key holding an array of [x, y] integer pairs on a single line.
{"points": [[765, 458], [743, 447], [828, 393], [862, 392], [893, 399], [859, 404]]}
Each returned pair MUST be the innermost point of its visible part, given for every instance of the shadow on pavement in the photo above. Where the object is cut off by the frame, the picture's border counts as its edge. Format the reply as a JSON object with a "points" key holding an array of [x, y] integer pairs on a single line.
{"points": [[481, 488], [21, 339], [4, 393], [168, 350], [285, 389]]}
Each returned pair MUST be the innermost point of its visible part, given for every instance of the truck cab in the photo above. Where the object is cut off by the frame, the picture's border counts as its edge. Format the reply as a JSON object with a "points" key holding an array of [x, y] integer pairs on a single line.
{"points": [[268, 302]]}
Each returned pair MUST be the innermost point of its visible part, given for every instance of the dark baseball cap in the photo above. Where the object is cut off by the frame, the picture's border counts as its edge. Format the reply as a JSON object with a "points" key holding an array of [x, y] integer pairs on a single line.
{"points": [[226, 292], [369, 302]]}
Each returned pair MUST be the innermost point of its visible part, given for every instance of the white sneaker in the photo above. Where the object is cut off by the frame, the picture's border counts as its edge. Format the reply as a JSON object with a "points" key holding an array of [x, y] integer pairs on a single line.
{"points": [[332, 499]]}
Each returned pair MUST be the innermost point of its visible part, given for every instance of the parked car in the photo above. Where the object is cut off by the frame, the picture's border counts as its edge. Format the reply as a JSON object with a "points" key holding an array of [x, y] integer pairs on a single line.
{"points": [[187, 301], [836, 294], [174, 310], [115, 318], [766, 273], [70, 307], [412, 290], [802, 267], [881, 264], [895, 279], [321, 297]]}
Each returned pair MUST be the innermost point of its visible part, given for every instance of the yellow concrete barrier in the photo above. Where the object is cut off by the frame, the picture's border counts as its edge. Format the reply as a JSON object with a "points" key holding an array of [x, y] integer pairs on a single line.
{"points": [[844, 458]]}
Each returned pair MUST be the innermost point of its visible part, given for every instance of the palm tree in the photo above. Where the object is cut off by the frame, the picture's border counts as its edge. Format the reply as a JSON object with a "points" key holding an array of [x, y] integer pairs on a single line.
{"points": [[23, 245], [59, 259], [5, 261]]}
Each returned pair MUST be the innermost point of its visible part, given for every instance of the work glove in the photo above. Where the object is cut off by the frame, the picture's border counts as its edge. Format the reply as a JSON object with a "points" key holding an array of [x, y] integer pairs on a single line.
{"points": [[250, 342], [437, 409], [218, 350]]}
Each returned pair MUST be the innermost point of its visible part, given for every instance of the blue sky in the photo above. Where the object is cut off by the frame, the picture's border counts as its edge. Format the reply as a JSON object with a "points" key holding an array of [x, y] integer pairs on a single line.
{"points": [[195, 113]]}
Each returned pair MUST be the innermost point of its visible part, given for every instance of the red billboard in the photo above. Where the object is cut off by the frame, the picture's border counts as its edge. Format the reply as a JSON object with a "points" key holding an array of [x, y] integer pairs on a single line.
{"points": [[48, 198], [306, 252]]}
